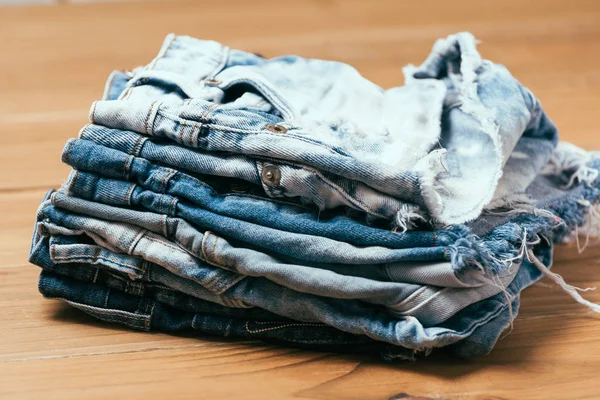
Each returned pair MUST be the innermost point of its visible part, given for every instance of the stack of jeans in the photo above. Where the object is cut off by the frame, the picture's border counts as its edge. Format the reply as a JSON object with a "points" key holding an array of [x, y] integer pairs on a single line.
{"points": [[293, 201]]}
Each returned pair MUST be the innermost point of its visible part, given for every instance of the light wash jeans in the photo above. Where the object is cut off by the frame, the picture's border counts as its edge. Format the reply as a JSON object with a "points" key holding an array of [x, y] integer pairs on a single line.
{"points": [[319, 131]]}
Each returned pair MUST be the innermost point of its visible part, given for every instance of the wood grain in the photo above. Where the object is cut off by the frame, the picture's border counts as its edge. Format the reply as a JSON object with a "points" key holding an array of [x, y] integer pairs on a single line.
{"points": [[53, 65]]}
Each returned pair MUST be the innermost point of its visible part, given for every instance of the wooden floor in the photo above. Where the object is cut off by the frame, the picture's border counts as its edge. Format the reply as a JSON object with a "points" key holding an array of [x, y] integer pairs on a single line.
{"points": [[53, 63]]}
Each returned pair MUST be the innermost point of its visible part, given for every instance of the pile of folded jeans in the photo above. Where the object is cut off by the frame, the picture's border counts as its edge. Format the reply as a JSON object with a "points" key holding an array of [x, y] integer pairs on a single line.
{"points": [[292, 200]]}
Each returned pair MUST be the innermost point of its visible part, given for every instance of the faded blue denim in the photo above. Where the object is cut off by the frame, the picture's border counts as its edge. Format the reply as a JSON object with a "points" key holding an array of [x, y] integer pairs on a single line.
{"points": [[192, 251], [331, 137], [348, 314], [226, 176]]}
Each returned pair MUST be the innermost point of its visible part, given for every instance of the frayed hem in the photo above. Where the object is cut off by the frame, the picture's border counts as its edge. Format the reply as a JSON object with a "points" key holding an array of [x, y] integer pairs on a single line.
{"points": [[572, 163]]}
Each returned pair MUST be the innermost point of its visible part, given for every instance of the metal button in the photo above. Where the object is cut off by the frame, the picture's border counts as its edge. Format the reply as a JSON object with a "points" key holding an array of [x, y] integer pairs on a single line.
{"points": [[271, 175], [212, 82], [276, 128]]}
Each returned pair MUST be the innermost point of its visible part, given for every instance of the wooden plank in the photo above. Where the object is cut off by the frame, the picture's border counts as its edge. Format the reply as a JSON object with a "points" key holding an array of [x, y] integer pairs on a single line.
{"points": [[18, 218], [48, 349]]}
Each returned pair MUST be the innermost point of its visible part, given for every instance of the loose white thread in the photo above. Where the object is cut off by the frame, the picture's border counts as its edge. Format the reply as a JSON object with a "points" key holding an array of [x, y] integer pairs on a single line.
{"points": [[558, 280], [405, 218], [593, 214]]}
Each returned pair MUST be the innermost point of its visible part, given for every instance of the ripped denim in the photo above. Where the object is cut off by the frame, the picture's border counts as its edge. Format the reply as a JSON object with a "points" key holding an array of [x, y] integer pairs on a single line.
{"points": [[292, 200]]}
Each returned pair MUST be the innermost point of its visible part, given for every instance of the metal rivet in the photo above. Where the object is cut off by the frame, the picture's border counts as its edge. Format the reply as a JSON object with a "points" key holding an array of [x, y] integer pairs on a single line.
{"points": [[212, 82], [271, 175], [276, 128]]}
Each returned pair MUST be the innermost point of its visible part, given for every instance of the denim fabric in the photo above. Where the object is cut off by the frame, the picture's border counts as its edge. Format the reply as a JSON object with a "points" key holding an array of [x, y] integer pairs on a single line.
{"points": [[487, 311], [445, 136], [77, 257], [148, 154], [116, 84], [144, 287], [227, 197], [431, 304], [113, 278], [141, 313], [219, 252], [272, 226], [238, 195], [147, 314], [88, 157], [356, 317]]}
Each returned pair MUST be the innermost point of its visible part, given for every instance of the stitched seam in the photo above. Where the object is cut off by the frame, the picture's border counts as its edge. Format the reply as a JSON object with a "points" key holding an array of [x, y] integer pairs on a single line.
{"points": [[279, 327], [182, 125], [347, 196], [364, 328], [165, 244], [109, 84], [124, 93], [203, 247], [68, 153], [93, 113], [129, 93], [129, 192], [162, 54], [284, 322], [94, 259], [270, 199], [194, 135], [52, 251], [271, 95], [82, 131], [221, 64], [164, 181], [203, 118], [175, 118], [148, 321], [172, 205], [107, 297], [222, 283], [330, 184], [162, 222], [206, 112], [127, 160], [212, 252], [148, 117], [476, 323], [215, 282], [136, 240], [96, 254], [288, 135], [72, 182], [105, 312], [135, 150]]}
